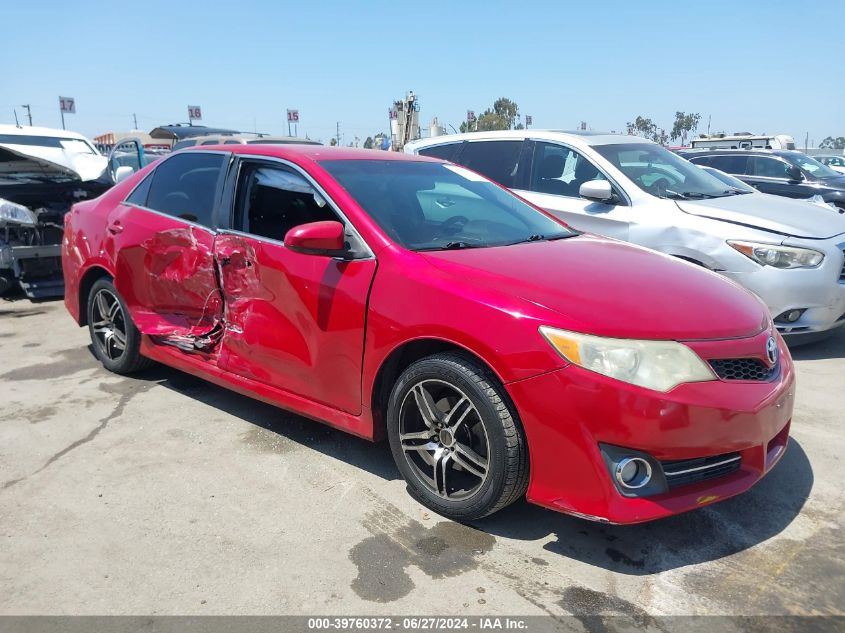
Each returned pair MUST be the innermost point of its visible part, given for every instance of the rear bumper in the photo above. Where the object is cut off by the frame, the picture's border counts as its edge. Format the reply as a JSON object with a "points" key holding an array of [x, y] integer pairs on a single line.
{"points": [[569, 412]]}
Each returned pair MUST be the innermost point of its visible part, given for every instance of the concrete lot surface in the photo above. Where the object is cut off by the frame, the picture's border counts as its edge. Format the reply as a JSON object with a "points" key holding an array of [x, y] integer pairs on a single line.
{"points": [[162, 494]]}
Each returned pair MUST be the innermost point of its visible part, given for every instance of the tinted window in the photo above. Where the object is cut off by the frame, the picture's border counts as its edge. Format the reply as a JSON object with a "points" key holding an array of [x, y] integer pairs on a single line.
{"points": [[183, 144], [185, 185], [727, 164], [561, 171], [445, 151], [434, 206], [768, 167], [498, 160], [273, 200], [139, 196]]}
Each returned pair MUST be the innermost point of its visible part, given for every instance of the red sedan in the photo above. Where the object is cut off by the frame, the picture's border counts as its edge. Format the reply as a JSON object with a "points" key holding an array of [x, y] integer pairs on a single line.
{"points": [[502, 353]]}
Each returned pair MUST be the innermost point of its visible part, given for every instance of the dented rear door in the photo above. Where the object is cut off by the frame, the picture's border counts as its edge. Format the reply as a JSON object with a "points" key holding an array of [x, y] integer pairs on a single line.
{"points": [[162, 240]]}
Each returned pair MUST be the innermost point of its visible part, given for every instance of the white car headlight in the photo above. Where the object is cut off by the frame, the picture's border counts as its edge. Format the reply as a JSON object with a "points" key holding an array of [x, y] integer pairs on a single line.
{"points": [[11, 212], [779, 256], [658, 365]]}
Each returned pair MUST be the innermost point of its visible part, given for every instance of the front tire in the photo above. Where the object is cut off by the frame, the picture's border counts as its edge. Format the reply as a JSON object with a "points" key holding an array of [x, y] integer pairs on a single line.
{"points": [[114, 337], [456, 437]]}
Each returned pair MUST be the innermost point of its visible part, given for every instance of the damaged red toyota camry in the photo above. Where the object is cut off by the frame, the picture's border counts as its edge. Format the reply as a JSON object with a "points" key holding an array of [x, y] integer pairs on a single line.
{"points": [[502, 353]]}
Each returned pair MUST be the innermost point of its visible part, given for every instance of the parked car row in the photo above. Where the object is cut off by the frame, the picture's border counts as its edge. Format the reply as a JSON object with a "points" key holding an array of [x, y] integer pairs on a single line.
{"points": [[788, 252], [502, 352], [786, 173]]}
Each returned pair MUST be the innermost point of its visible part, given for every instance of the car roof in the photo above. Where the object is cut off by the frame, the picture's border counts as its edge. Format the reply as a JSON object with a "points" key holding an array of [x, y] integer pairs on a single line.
{"points": [[26, 130], [314, 153], [248, 137], [577, 137], [700, 151]]}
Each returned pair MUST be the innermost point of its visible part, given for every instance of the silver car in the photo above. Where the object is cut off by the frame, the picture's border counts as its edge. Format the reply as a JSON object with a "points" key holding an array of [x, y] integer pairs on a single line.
{"points": [[789, 252]]}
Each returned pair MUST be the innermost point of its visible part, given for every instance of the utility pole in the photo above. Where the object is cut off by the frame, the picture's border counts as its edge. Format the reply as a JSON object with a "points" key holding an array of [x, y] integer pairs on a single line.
{"points": [[135, 119], [337, 137], [709, 116], [806, 140], [28, 113]]}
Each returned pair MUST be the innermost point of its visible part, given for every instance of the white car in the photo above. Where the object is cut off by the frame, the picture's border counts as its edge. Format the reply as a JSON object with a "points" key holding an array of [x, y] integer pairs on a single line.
{"points": [[789, 252], [43, 171]]}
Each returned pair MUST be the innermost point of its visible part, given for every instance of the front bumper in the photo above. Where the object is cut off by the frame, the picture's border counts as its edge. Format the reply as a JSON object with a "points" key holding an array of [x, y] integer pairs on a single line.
{"points": [[38, 269], [820, 292], [569, 412]]}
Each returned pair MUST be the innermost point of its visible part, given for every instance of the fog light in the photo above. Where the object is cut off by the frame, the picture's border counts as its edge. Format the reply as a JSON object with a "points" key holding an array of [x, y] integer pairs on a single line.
{"points": [[633, 472], [790, 316]]}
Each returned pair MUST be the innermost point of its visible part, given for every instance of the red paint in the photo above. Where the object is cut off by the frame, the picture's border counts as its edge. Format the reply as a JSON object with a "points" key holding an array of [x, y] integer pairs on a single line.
{"points": [[310, 333], [316, 236]]}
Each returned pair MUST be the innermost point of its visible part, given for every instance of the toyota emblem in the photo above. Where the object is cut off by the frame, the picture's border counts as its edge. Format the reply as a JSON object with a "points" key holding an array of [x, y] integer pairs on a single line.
{"points": [[772, 351]]}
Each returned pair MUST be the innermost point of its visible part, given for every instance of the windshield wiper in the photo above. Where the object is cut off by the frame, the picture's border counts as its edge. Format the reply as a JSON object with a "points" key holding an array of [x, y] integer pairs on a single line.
{"points": [[674, 195], [543, 238]]}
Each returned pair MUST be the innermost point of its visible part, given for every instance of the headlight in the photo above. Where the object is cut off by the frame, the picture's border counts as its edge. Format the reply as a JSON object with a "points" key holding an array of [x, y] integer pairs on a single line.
{"points": [[11, 212], [658, 365], [779, 256]]}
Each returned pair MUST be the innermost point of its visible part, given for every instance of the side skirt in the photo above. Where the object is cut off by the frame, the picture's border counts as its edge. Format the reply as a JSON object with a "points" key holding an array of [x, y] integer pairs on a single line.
{"points": [[362, 425]]}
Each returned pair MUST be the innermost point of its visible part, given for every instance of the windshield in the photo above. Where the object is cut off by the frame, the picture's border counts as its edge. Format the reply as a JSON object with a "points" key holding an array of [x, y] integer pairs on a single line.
{"points": [[729, 180], [434, 206], [657, 171], [812, 167]]}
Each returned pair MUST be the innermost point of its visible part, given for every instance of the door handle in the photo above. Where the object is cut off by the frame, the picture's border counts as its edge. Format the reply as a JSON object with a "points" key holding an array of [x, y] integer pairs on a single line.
{"points": [[115, 227]]}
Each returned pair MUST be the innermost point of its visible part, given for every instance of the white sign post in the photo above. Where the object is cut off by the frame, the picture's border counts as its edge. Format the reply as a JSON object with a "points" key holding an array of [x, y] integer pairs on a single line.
{"points": [[194, 114], [293, 117], [66, 104]]}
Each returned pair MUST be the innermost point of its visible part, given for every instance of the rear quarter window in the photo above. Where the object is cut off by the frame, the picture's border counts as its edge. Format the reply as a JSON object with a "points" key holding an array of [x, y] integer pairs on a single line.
{"points": [[444, 152]]}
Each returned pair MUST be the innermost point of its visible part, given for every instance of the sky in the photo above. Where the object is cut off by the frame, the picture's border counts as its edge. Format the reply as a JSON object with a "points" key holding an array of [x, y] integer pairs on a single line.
{"points": [[763, 66]]}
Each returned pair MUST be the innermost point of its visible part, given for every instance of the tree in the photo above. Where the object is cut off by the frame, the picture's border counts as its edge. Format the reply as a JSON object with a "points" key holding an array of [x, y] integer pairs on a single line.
{"points": [[647, 129], [502, 116], [507, 110], [333, 142], [684, 123], [368, 143], [833, 143]]}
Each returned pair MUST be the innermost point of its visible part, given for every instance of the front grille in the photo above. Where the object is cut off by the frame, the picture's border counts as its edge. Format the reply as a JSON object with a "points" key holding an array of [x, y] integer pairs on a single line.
{"points": [[690, 471], [743, 369]]}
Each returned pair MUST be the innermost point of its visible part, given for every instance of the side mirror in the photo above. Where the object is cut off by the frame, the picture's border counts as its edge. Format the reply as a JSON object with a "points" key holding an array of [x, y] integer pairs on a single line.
{"points": [[794, 173], [317, 238], [122, 173], [596, 190]]}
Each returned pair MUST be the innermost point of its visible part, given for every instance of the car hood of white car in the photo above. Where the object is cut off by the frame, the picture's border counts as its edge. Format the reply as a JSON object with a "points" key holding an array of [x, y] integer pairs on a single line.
{"points": [[55, 162], [776, 214]]}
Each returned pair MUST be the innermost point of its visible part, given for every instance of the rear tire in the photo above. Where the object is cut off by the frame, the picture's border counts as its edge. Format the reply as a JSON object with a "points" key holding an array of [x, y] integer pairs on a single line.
{"points": [[114, 337], [456, 437]]}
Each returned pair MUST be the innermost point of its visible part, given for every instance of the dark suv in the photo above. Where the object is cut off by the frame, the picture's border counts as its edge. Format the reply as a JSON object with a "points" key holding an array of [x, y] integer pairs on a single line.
{"points": [[780, 172]]}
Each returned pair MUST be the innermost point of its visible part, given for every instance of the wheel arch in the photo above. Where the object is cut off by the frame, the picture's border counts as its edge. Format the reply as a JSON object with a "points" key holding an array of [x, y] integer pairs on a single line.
{"points": [[89, 278], [398, 360]]}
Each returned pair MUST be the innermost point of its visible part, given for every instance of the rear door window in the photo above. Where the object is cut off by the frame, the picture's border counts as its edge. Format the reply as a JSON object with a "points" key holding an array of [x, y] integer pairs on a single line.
{"points": [[185, 186], [498, 160], [727, 164]]}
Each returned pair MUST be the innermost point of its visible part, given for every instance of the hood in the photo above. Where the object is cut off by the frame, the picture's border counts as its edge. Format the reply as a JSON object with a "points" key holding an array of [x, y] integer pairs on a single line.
{"points": [[52, 162], [610, 288], [776, 214]]}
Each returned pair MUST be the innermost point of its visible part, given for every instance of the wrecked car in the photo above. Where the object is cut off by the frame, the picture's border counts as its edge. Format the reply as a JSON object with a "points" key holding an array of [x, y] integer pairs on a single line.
{"points": [[402, 296], [788, 252], [42, 173]]}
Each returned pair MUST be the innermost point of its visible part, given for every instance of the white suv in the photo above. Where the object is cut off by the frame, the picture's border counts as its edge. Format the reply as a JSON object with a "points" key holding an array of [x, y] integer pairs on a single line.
{"points": [[789, 252]]}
